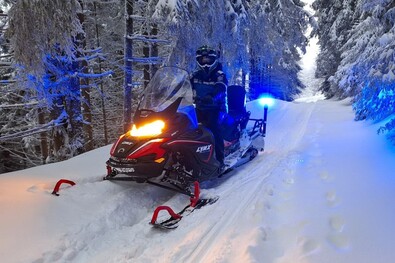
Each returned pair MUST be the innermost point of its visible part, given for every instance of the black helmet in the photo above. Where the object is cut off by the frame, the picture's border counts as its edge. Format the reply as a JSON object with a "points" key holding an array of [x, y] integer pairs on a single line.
{"points": [[207, 57]]}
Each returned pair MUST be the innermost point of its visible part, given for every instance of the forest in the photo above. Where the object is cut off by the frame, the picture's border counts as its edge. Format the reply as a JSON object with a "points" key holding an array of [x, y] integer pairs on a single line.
{"points": [[71, 72]]}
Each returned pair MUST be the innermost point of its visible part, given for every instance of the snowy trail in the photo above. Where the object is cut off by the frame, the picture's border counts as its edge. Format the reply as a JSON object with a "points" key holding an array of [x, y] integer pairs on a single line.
{"points": [[203, 245], [321, 192], [257, 171]]}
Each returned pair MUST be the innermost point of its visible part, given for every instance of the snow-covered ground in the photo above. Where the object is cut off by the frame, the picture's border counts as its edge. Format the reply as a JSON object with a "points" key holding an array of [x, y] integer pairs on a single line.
{"points": [[322, 191]]}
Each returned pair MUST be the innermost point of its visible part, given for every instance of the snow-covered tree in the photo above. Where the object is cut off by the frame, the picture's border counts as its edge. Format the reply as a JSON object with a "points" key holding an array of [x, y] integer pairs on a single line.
{"points": [[335, 19], [373, 71], [104, 28], [365, 67], [253, 36], [83, 40], [15, 152], [56, 76], [276, 32]]}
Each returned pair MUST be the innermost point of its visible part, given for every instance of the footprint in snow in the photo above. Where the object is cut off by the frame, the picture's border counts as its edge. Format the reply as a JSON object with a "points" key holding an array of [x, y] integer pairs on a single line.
{"points": [[332, 199], [337, 223], [309, 246], [289, 180], [269, 190], [39, 188], [339, 241], [337, 238], [325, 176]]}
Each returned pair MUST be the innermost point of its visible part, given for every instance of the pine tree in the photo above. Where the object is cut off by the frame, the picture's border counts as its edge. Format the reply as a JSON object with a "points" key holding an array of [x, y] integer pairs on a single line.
{"points": [[362, 39], [276, 32], [335, 20]]}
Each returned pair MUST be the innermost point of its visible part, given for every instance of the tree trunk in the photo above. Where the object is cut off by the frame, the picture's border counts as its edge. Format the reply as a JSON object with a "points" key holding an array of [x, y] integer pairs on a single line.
{"points": [[103, 106], [154, 49], [57, 136], [43, 137], [85, 91], [127, 118], [73, 108], [146, 67]]}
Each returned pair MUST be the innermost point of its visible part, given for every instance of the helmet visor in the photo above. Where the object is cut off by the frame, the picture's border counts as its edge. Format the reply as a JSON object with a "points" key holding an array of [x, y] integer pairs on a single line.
{"points": [[207, 60], [206, 52]]}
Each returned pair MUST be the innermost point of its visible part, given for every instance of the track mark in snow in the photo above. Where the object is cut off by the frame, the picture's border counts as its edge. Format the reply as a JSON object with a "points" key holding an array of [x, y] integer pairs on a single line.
{"points": [[256, 183], [113, 218], [218, 230], [37, 188]]}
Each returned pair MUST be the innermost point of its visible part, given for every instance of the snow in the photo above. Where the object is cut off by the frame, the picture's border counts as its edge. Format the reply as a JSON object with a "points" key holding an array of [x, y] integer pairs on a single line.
{"points": [[321, 192]]}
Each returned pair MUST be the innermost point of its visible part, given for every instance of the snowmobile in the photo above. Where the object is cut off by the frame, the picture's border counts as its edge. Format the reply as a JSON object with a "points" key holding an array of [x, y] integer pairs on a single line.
{"points": [[166, 145]]}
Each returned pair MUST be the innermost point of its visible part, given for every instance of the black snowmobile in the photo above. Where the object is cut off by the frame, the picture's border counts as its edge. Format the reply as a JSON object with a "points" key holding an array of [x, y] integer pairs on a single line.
{"points": [[168, 148]]}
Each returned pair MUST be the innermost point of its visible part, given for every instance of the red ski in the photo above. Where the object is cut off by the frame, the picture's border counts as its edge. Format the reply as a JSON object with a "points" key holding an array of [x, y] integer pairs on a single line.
{"points": [[195, 203]]}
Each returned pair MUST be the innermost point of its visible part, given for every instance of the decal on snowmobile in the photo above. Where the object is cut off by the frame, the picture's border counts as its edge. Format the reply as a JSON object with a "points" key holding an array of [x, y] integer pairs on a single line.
{"points": [[121, 150], [204, 149], [125, 170], [127, 143]]}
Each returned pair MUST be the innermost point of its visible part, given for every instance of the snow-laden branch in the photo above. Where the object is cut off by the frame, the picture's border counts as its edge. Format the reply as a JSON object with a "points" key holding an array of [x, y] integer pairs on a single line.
{"points": [[6, 56], [147, 39], [18, 105], [94, 75], [149, 60], [30, 132], [5, 63], [138, 18], [6, 82], [42, 128], [18, 154]]}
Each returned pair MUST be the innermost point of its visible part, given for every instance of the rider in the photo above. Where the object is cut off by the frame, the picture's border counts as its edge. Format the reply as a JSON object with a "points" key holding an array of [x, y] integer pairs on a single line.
{"points": [[209, 86]]}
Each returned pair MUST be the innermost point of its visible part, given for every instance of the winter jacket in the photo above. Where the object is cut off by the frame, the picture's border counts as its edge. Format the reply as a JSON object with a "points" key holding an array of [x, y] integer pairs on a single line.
{"points": [[210, 89]]}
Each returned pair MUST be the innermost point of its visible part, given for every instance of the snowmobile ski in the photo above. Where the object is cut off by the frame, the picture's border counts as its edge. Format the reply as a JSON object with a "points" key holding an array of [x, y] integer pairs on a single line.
{"points": [[195, 203], [175, 218]]}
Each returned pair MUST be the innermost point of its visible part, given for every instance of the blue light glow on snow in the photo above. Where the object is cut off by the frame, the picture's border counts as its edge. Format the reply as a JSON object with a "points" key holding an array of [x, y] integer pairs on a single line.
{"points": [[266, 100]]}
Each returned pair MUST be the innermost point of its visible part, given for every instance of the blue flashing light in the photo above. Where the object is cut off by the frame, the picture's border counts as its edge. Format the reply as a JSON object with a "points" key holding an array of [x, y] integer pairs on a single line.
{"points": [[266, 100]]}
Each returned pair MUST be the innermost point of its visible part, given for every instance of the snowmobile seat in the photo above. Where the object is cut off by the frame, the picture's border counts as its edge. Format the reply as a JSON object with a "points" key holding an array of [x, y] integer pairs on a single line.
{"points": [[237, 117], [236, 105]]}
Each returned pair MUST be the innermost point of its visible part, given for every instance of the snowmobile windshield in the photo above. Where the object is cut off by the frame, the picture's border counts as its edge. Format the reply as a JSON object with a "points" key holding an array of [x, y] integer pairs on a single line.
{"points": [[167, 85]]}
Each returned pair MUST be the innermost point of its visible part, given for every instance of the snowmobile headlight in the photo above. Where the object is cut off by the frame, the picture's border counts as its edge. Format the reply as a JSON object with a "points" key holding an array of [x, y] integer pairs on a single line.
{"points": [[150, 129]]}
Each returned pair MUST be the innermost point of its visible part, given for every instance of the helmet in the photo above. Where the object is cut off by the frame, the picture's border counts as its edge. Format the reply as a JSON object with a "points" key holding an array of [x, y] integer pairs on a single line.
{"points": [[207, 57]]}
